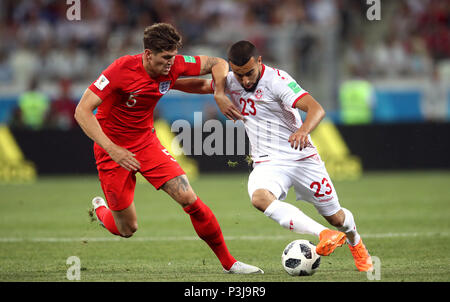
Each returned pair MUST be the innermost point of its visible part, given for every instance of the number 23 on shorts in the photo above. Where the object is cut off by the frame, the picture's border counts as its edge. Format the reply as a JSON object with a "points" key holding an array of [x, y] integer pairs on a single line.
{"points": [[317, 186]]}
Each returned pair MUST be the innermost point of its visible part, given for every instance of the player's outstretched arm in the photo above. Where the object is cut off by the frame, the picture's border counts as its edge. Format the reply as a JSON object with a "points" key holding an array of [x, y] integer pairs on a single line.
{"points": [[314, 114], [87, 121], [194, 85]]}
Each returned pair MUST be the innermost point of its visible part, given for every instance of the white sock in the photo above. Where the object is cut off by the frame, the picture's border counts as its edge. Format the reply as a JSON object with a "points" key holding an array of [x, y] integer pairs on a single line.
{"points": [[349, 228], [291, 218]]}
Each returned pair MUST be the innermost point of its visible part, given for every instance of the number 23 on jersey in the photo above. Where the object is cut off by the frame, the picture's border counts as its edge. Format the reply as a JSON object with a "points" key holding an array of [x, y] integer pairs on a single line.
{"points": [[248, 107]]}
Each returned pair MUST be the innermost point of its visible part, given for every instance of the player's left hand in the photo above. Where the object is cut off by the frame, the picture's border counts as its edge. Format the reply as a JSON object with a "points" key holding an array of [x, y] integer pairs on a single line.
{"points": [[299, 139]]}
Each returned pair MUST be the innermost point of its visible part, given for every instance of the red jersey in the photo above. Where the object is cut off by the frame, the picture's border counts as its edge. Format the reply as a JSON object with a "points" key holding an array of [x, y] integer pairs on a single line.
{"points": [[130, 95]]}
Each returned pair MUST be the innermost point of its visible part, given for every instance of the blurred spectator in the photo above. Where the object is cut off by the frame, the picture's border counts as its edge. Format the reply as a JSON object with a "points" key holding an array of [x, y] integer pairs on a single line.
{"points": [[69, 62], [33, 107], [434, 103], [358, 58], [434, 25], [390, 58], [34, 29], [322, 12], [24, 63], [62, 108], [356, 99], [420, 62], [289, 13], [6, 71]]}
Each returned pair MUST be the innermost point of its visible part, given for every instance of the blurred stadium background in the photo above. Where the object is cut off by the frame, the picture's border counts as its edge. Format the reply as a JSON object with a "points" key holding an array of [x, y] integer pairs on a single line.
{"points": [[384, 83]]}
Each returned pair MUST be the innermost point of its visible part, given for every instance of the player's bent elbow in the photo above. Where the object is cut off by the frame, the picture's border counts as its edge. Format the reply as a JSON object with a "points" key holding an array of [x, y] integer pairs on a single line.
{"points": [[81, 113], [322, 113], [77, 114]]}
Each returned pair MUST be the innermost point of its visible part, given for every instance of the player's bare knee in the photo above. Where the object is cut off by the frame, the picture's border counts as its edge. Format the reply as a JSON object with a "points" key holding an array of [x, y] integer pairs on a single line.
{"points": [[261, 199], [129, 230], [256, 200], [126, 234], [133, 228]]}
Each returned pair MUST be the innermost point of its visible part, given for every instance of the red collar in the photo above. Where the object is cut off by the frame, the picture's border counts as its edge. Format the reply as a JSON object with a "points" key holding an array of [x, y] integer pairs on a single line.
{"points": [[262, 72]]}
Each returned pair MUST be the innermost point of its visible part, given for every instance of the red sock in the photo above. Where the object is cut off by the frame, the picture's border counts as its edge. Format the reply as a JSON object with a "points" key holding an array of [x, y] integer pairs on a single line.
{"points": [[105, 216], [208, 229]]}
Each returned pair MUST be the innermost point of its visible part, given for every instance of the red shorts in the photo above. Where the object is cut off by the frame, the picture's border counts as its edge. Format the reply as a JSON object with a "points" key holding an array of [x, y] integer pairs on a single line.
{"points": [[157, 166]]}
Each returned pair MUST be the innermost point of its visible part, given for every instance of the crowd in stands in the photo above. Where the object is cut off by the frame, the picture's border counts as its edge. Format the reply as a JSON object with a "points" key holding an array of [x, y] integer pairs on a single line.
{"points": [[39, 41], [416, 40]]}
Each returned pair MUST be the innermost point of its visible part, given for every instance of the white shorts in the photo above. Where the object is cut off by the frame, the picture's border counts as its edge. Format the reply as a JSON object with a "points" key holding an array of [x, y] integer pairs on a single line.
{"points": [[308, 176]]}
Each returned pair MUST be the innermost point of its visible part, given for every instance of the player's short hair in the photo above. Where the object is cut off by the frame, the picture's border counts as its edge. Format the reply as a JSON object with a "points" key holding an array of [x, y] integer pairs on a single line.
{"points": [[241, 52], [161, 37]]}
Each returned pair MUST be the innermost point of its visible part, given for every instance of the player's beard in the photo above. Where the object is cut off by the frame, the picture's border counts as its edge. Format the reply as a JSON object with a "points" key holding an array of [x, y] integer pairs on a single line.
{"points": [[252, 89]]}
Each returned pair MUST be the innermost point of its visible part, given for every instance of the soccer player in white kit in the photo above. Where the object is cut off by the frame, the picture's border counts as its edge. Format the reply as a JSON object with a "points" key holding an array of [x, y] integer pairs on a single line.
{"points": [[283, 155]]}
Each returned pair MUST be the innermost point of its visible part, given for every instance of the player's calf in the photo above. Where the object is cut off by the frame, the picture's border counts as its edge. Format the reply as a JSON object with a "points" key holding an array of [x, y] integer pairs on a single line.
{"points": [[208, 229], [337, 220], [126, 221], [343, 220]]}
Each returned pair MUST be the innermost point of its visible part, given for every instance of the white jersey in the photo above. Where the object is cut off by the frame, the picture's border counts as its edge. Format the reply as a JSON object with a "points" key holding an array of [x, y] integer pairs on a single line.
{"points": [[270, 116]]}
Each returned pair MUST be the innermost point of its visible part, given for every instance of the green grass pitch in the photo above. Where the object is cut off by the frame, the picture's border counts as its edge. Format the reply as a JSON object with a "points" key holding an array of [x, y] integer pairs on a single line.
{"points": [[403, 217]]}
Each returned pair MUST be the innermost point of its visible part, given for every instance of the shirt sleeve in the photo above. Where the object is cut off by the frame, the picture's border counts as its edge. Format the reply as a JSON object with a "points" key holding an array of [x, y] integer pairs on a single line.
{"points": [[108, 82], [187, 65], [287, 89]]}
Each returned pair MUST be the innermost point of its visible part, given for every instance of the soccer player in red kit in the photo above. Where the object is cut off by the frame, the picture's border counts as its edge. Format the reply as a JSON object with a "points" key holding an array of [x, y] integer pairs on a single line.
{"points": [[125, 141]]}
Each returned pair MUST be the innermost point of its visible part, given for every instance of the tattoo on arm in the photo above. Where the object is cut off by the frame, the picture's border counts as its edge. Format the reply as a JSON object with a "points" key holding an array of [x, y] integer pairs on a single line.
{"points": [[210, 62]]}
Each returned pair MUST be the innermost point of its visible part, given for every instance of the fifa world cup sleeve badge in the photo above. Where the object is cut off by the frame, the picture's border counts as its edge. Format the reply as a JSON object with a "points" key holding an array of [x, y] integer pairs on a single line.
{"points": [[101, 82]]}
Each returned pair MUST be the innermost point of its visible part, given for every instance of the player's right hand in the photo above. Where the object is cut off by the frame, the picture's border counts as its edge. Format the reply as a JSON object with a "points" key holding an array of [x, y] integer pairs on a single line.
{"points": [[299, 139], [227, 108], [124, 158]]}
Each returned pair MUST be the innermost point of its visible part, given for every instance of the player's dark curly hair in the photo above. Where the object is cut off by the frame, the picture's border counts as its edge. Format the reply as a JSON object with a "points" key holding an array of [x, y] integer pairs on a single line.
{"points": [[241, 52], [161, 37]]}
